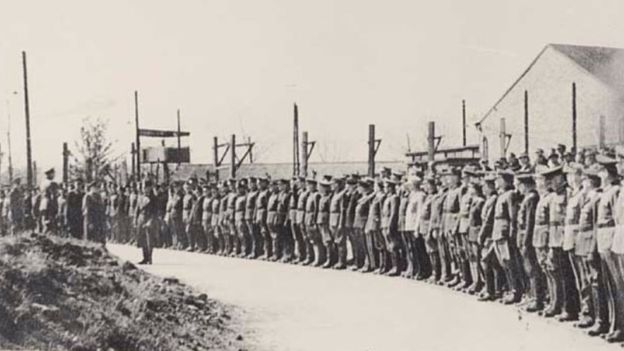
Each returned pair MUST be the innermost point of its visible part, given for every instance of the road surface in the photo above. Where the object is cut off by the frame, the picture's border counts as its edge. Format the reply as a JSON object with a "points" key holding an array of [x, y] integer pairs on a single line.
{"points": [[287, 307]]}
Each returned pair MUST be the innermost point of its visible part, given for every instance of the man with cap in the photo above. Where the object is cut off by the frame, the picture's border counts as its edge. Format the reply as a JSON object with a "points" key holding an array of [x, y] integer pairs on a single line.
{"points": [[304, 249], [285, 238], [224, 219], [145, 221], [348, 214], [471, 239], [295, 228], [463, 227], [188, 201], [337, 215], [571, 266], [591, 283], [541, 234], [373, 227], [206, 217], [413, 242], [197, 211], [260, 218], [425, 246], [73, 209], [606, 222], [94, 213], [535, 282], [327, 249], [437, 196], [540, 159], [360, 219], [390, 228], [450, 222], [311, 228], [272, 223], [252, 228], [240, 223], [525, 163], [492, 270], [48, 205]]}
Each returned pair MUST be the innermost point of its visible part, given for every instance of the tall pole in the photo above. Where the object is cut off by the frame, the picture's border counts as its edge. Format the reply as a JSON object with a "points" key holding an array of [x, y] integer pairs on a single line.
{"points": [[65, 164], [601, 131], [138, 138], [132, 152], [464, 122], [574, 141], [371, 150], [29, 164], [503, 138], [431, 141], [233, 157], [526, 121], [296, 141], [179, 137], [304, 155]]}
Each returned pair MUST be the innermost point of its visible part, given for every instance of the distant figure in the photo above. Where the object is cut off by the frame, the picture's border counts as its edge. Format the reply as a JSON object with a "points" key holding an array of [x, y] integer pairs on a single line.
{"points": [[16, 207], [94, 213], [48, 204], [73, 210]]}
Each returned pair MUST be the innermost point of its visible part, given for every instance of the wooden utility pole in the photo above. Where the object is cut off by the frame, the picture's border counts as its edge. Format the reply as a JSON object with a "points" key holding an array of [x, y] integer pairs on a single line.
{"points": [[133, 164], [179, 139], [9, 143], [34, 172], [233, 157], [373, 146], [138, 138], [574, 141], [306, 148], [464, 122], [504, 138], [601, 131], [296, 168], [29, 162], [65, 164], [526, 122], [431, 141]]}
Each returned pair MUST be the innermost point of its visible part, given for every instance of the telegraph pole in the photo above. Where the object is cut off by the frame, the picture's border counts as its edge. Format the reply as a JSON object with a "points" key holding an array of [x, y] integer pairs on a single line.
{"points": [[464, 122], [132, 152], [373, 146], [138, 138], [574, 117], [179, 139], [296, 141], [526, 121], [9, 143], [233, 157], [65, 164], [29, 162]]}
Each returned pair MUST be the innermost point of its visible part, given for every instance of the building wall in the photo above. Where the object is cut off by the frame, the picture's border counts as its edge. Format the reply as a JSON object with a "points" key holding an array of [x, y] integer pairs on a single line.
{"points": [[549, 86]]}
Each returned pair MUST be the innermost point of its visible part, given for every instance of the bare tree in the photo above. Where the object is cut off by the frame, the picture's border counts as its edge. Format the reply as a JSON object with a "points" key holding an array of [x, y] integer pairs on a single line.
{"points": [[93, 158]]}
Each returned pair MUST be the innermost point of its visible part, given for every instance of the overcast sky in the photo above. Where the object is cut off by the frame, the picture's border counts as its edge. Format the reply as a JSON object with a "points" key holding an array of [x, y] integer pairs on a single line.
{"points": [[236, 66]]}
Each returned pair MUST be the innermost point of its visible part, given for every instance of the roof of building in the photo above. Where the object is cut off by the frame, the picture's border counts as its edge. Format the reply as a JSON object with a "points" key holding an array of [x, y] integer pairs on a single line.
{"points": [[604, 63]]}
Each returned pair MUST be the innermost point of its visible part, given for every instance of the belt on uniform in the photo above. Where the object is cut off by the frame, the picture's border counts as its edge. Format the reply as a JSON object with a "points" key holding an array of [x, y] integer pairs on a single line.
{"points": [[606, 225]]}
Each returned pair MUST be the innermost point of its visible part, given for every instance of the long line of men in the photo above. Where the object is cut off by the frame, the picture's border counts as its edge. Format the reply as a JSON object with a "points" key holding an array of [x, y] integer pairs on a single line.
{"points": [[547, 237]]}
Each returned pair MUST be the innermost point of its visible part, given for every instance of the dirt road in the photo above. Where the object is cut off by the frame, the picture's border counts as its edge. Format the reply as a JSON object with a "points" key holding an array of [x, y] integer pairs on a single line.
{"points": [[288, 307]]}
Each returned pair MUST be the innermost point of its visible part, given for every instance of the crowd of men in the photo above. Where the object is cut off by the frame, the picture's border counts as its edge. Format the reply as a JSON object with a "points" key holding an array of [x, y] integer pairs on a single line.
{"points": [[547, 235]]}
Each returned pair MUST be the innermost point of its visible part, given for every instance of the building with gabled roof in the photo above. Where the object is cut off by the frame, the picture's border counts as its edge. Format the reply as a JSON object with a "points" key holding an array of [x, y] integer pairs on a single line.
{"points": [[597, 74]]}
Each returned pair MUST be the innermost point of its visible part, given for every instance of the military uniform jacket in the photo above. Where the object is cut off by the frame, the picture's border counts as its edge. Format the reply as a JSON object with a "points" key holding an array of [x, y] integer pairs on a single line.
{"points": [[585, 243], [94, 212], [197, 211], [349, 204], [464, 213], [618, 237], [311, 209], [415, 200], [557, 210], [606, 217], [505, 216], [188, 202], [223, 209], [250, 206], [216, 205], [542, 220], [261, 207], [49, 203], [425, 212], [240, 206], [231, 207], [450, 218], [475, 220], [362, 208], [301, 206], [437, 203], [73, 209], [487, 219], [16, 208], [113, 205], [271, 218], [324, 205], [283, 199], [526, 219], [374, 212], [572, 217], [146, 210], [206, 206], [403, 200], [390, 213], [292, 205], [132, 209], [335, 209], [177, 206]]}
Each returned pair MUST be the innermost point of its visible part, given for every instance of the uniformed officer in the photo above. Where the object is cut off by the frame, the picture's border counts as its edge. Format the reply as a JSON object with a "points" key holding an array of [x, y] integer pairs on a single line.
{"points": [[48, 204], [252, 228], [94, 215], [326, 249], [188, 202], [447, 241], [390, 226], [145, 221], [305, 245], [463, 227], [417, 256], [337, 213], [311, 227], [16, 207], [434, 202], [373, 228], [73, 210], [260, 218], [230, 220], [240, 223], [360, 220], [348, 213], [492, 270], [206, 217], [197, 211], [272, 222], [224, 225], [527, 212], [475, 222]]}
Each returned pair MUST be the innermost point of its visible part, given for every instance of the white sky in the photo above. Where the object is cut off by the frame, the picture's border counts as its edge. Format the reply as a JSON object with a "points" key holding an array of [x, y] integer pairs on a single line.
{"points": [[235, 66]]}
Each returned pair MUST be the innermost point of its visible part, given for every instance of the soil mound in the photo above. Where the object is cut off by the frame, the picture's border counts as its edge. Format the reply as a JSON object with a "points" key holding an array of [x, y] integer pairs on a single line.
{"points": [[63, 294]]}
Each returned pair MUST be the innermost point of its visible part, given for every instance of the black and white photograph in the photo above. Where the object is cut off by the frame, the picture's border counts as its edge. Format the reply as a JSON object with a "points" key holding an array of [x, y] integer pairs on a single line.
{"points": [[311, 175]]}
